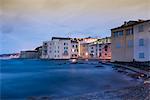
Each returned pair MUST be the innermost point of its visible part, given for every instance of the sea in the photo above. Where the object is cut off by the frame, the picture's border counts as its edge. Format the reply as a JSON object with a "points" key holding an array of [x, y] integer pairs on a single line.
{"points": [[24, 78]]}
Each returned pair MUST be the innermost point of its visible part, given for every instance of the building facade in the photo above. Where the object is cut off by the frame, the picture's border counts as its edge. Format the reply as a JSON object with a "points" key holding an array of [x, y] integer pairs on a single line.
{"points": [[100, 49], [92, 51], [84, 47], [74, 49], [60, 48], [39, 50], [45, 49], [123, 40], [30, 54], [105, 52], [84, 51], [142, 41]]}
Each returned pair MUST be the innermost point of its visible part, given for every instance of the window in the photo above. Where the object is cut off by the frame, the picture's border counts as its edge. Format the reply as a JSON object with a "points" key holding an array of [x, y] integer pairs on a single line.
{"points": [[76, 46], [100, 54], [140, 28], [120, 33], [45, 43], [91, 47], [65, 43], [65, 53], [141, 42], [58, 51], [45, 51], [118, 45], [130, 43], [141, 55], [129, 31], [115, 34], [73, 46], [65, 47]]}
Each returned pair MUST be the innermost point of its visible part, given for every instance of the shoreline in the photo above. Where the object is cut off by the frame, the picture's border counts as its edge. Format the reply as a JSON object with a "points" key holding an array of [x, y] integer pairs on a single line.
{"points": [[139, 92]]}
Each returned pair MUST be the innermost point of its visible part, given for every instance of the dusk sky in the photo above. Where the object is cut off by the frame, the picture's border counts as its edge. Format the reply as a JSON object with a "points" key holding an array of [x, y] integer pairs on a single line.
{"points": [[25, 24]]}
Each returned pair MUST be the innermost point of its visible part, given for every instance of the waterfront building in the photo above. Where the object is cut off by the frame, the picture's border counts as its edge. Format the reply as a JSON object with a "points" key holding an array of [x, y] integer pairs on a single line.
{"points": [[92, 50], [57, 48], [142, 41], [123, 40], [69, 48], [39, 50], [100, 49], [30, 54], [60, 48], [83, 49], [45, 49], [74, 48], [104, 49]]}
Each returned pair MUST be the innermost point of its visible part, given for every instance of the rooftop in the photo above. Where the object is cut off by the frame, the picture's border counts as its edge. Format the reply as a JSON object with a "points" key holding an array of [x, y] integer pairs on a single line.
{"points": [[130, 23], [62, 38]]}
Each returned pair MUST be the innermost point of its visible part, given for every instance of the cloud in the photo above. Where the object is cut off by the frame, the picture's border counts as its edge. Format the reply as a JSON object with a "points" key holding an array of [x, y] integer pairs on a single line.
{"points": [[26, 23]]}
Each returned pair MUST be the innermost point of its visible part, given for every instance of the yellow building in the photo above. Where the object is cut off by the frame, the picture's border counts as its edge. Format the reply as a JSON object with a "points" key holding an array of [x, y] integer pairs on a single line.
{"points": [[84, 51], [122, 39], [125, 40]]}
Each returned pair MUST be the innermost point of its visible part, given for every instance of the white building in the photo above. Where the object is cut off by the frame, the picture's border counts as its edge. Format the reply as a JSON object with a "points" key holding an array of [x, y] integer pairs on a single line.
{"points": [[142, 41], [93, 50], [60, 48], [74, 49]]}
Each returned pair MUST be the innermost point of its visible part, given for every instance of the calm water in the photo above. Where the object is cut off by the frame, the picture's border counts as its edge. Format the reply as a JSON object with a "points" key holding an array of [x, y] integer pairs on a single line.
{"points": [[24, 78]]}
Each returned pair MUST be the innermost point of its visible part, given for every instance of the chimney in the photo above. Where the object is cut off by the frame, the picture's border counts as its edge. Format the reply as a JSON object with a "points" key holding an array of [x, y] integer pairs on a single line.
{"points": [[125, 23]]}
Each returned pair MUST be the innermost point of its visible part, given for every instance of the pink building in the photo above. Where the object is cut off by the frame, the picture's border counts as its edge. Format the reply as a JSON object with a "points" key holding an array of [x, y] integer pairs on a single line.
{"points": [[100, 49], [105, 53]]}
